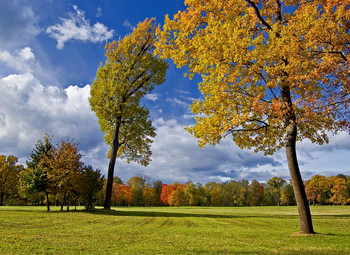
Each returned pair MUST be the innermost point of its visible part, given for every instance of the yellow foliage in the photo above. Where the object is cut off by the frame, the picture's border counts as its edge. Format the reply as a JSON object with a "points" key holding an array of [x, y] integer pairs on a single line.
{"points": [[250, 55], [131, 71]]}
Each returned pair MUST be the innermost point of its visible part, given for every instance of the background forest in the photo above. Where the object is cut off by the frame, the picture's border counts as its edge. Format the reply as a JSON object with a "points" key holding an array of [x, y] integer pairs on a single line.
{"points": [[55, 174]]}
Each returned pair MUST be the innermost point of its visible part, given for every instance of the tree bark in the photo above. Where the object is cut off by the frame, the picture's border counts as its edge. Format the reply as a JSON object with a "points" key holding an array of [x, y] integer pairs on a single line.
{"points": [[298, 185], [114, 150]]}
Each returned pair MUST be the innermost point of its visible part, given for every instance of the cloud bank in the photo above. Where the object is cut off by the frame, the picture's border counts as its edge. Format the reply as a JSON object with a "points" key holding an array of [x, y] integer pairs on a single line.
{"points": [[29, 109]]}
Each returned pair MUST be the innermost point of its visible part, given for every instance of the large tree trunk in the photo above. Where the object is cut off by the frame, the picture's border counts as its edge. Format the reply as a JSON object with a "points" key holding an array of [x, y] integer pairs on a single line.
{"points": [[298, 185], [114, 150]]}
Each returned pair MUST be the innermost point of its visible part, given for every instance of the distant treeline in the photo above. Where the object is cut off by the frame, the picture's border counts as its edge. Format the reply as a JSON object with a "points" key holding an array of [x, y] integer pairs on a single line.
{"points": [[276, 191], [62, 180]]}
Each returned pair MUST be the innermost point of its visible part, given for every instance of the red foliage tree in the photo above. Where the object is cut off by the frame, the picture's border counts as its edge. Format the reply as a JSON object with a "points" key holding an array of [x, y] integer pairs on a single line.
{"points": [[166, 192]]}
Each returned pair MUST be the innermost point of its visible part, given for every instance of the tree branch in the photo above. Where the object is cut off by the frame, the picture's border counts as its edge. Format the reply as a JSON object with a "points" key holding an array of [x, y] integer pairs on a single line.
{"points": [[257, 11], [279, 11]]}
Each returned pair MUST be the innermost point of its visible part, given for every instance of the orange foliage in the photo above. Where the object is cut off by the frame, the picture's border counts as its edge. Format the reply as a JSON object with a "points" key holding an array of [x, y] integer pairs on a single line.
{"points": [[122, 194], [166, 192]]}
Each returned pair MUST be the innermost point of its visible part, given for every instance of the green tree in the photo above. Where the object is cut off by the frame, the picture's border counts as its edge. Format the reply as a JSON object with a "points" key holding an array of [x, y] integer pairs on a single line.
{"points": [[137, 184], [33, 180], [91, 183], [158, 187], [276, 184], [191, 194], [131, 70], [203, 195], [273, 73], [117, 180]]}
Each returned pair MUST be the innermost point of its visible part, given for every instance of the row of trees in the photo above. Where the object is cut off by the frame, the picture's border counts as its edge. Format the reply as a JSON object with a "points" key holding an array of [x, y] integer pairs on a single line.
{"points": [[53, 173], [276, 191]]}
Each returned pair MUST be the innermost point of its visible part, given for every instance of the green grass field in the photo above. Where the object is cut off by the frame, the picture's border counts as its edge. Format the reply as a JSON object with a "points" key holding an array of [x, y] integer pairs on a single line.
{"points": [[169, 230]]}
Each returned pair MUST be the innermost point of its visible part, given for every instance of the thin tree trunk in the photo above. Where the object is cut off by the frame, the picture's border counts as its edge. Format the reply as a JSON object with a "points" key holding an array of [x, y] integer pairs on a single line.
{"points": [[298, 185], [1, 198], [47, 201], [68, 201], [114, 150], [63, 202]]}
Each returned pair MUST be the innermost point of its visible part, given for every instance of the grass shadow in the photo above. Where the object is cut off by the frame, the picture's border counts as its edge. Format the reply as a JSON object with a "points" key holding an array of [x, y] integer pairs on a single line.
{"points": [[175, 214]]}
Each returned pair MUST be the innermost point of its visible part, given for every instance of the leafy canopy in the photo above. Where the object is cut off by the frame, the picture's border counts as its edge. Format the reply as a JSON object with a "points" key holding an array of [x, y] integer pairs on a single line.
{"points": [[131, 71], [34, 178], [247, 52]]}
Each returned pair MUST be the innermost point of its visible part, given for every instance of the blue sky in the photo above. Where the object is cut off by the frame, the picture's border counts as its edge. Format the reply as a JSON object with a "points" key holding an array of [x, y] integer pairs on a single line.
{"points": [[49, 54]]}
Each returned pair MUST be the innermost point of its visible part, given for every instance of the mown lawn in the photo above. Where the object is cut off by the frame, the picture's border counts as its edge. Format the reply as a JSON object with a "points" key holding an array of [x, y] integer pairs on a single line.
{"points": [[169, 230]]}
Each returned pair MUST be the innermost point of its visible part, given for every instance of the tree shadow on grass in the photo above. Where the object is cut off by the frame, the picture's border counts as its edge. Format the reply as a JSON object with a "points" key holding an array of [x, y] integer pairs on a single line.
{"points": [[177, 214]]}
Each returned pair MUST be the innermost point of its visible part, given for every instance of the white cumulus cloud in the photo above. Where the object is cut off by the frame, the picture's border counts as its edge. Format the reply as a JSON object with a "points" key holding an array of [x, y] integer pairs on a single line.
{"points": [[29, 109], [22, 61], [77, 27]]}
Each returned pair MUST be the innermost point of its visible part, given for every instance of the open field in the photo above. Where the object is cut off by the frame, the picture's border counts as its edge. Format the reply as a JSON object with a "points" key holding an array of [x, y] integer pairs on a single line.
{"points": [[165, 230]]}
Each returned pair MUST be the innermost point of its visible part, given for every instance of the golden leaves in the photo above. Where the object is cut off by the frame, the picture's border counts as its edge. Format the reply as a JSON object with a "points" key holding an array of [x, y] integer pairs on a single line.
{"points": [[245, 59]]}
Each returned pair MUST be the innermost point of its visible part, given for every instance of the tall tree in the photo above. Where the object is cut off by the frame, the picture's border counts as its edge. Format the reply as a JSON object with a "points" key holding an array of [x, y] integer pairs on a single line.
{"points": [[33, 180], [273, 73], [131, 70]]}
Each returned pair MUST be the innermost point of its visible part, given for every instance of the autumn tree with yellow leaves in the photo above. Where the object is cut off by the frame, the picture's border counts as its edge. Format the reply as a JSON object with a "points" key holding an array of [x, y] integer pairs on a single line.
{"points": [[273, 73], [131, 71]]}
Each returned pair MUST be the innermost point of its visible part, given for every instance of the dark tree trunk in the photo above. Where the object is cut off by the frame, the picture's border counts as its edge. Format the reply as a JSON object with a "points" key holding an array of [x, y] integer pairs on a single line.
{"points": [[63, 202], [68, 201], [2, 198], [47, 201], [114, 150], [298, 185]]}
